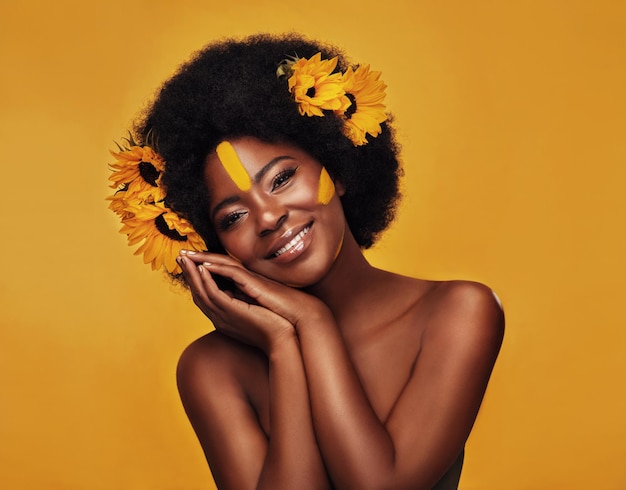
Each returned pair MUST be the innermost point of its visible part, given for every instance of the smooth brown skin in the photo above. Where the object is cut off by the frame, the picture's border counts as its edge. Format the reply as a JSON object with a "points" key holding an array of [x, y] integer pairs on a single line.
{"points": [[358, 379]]}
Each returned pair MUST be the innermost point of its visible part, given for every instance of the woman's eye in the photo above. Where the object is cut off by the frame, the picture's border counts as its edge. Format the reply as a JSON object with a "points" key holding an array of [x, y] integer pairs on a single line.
{"points": [[283, 177], [230, 219]]}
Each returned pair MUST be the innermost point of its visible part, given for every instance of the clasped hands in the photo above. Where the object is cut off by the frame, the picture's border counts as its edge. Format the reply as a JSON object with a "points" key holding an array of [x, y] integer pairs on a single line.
{"points": [[259, 311]]}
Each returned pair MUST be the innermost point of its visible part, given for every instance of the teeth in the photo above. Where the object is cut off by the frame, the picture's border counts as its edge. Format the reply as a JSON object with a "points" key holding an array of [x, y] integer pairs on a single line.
{"points": [[292, 243]]}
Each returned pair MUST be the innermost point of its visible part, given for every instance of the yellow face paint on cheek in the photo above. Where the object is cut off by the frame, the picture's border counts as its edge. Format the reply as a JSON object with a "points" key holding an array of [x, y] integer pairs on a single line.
{"points": [[231, 163], [326, 189]]}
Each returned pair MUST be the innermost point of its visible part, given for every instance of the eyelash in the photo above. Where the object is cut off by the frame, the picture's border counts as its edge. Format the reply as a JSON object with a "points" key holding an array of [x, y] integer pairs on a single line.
{"points": [[283, 177], [229, 220]]}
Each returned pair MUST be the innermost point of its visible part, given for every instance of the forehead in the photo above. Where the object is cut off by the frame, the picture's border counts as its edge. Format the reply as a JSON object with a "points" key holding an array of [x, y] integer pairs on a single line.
{"points": [[254, 153], [239, 160]]}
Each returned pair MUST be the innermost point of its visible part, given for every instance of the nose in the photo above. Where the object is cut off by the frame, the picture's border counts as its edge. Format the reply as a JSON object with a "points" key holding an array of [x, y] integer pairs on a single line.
{"points": [[270, 216]]}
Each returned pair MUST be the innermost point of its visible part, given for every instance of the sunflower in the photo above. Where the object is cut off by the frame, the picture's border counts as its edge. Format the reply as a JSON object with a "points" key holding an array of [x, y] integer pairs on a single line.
{"points": [[119, 204], [137, 171], [139, 202], [164, 235], [314, 85], [367, 111]]}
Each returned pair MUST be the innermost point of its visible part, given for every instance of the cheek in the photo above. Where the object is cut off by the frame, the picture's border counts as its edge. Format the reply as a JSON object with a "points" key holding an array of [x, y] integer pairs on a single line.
{"points": [[237, 245], [232, 255]]}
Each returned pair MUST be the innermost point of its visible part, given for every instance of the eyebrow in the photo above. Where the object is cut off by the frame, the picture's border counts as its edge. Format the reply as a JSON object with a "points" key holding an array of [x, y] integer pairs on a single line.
{"points": [[256, 179], [259, 175]]}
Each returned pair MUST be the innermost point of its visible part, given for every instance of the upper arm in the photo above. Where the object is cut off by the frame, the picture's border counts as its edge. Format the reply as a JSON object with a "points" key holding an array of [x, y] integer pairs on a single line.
{"points": [[220, 411], [437, 408]]}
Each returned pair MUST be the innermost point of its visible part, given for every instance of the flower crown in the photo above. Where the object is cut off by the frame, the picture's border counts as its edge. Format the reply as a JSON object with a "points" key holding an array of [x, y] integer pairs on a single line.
{"points": [[355, 95], [139, 202]]}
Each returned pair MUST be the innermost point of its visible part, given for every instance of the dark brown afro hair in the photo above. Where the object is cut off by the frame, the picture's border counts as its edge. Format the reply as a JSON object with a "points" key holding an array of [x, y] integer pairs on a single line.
{"points": [[230, 89]]}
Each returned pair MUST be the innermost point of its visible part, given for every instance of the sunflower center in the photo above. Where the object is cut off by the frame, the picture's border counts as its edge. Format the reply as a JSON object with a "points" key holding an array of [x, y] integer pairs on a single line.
{"points": [[148, 173], [311, 92], [352, 109], [161, 225]]}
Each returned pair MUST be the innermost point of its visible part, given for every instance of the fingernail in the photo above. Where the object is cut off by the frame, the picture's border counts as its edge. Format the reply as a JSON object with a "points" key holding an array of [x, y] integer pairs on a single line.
{"points": [[179, 260], [201, 269], [190, 252], [208, 264]]}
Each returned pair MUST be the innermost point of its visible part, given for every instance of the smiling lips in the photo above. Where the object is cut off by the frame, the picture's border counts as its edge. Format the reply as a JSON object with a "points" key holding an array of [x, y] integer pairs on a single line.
{"points": [[294, 242]]}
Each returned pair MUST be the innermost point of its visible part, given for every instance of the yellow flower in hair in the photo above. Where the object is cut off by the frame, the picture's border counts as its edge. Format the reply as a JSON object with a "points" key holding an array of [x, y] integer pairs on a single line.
{"points": [[139, 202], [314, 85], [367, 111], [136, 169], [136, 176], [119, 204], [164, 235]]}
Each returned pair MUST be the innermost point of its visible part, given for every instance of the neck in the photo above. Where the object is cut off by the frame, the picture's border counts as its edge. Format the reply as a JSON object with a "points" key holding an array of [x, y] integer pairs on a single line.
{"points": [[349, 280]]}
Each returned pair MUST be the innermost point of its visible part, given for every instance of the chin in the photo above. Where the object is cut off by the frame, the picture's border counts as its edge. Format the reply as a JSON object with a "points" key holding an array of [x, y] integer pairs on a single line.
{"points": [[300, 277], [307, 279]]}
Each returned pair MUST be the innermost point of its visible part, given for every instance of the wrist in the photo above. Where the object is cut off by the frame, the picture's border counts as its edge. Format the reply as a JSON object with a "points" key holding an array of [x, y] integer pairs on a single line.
{"points": [[281, 342], [316, 317]]}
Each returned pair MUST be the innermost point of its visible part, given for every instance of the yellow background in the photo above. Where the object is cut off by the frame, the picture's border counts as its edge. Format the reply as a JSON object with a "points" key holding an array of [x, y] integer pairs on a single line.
{"points": [[512, 116]]}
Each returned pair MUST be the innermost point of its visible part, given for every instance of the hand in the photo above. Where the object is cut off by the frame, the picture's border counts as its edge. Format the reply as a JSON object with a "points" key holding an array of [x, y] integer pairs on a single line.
{"points": [[292, 304], [233, 313]]}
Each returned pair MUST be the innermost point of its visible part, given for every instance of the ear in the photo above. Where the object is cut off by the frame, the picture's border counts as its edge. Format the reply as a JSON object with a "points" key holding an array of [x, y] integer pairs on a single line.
{"points": [[340, 189]]}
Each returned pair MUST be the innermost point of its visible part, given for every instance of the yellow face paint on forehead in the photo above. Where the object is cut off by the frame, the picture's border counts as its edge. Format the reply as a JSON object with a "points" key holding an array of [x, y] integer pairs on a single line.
{"points": [[233, 166], [326, 189]]}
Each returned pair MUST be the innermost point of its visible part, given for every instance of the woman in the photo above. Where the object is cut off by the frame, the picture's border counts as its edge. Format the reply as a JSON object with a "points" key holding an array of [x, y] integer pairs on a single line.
{"points": [[323, 371]]}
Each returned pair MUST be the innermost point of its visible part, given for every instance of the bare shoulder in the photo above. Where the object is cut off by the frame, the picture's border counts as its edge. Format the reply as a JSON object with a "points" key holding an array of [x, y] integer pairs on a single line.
{"points": [[467, 294], [217, 365], [219, 381], [465, 312]]}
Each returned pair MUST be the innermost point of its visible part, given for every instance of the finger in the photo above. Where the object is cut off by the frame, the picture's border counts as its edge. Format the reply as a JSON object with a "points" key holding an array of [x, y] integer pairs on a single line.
{"points": [[218, 259], [200, 257], [220, 299], [197, 286], [265, 292], [242, 277]]}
